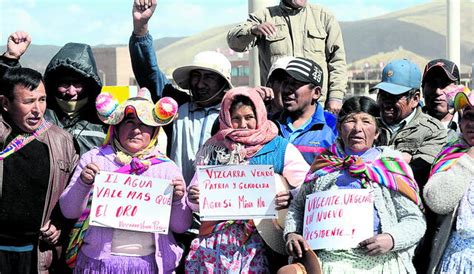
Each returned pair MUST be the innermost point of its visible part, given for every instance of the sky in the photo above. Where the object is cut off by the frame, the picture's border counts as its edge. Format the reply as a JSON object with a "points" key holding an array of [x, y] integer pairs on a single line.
{"points": [[55, 22]]}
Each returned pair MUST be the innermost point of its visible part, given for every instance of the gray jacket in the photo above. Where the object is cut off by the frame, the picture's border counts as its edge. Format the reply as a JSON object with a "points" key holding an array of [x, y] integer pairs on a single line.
{"points": [[311, 32], [399, 217], [442, 194]]}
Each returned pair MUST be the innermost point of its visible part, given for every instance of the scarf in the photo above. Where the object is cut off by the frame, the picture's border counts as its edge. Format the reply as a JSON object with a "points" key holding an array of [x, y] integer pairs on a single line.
{"points": [[77, 235], [251, 140], [389, 172], [71, 107], [449, 156], [22, 140]]}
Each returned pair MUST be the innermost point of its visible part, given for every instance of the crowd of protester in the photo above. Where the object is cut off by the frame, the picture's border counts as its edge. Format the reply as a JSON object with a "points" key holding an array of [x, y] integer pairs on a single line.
{"points": [[412, 148]]}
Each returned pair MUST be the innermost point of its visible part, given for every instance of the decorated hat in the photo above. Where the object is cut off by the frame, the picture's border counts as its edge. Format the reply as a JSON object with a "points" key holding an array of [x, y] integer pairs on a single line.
{"points": [[464, 99], [309, 263], [451, 91], [272, 230], [111, 112]]}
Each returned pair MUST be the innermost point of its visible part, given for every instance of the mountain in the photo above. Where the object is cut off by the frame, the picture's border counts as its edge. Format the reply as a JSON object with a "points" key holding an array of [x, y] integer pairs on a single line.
{"points": [[420, 29], [38, 56]]}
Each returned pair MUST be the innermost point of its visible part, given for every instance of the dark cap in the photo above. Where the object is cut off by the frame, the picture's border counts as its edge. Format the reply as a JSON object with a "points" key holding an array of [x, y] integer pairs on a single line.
{"points": [[450, 69], [306, 71]]}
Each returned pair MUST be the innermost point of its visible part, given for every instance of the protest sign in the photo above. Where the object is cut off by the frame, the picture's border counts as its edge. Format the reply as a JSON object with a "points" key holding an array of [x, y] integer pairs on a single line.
{"points": [[237, 192], [131, 202], [338, 219]]}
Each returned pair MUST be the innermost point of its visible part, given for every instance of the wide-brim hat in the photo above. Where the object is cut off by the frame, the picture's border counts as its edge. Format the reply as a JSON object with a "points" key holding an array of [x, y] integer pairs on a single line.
{"points": [[159, 114], [309, 264], [271, 231], [464, 99], [207, 60]]}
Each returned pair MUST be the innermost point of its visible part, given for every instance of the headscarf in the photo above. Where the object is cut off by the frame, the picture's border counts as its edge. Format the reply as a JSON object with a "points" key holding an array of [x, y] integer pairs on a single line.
{"points": [[390, 172], [244, 143], [240, 144]]}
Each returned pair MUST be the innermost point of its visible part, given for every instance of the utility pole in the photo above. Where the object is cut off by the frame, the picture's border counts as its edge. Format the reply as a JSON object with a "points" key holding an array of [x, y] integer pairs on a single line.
{"points": [[453, 44], [254, 77]]}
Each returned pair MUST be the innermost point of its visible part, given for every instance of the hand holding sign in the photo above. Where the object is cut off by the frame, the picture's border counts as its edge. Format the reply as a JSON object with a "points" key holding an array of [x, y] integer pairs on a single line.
{"points": [[295, 244], [193, 194], [282, 200], [377, 245], [178, 189], [89, 172]]}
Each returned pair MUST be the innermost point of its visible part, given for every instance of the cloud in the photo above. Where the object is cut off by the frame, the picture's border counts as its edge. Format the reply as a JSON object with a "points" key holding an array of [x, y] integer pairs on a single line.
{"points": [[74, 9]]}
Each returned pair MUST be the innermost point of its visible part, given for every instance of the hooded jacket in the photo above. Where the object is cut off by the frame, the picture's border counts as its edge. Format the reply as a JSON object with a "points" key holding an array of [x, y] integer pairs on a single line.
{"points": [[86, 128]]}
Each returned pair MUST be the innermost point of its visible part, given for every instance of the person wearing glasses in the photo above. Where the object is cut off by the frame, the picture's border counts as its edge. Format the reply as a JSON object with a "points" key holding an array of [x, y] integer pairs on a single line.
{"points": [[418, 136]]}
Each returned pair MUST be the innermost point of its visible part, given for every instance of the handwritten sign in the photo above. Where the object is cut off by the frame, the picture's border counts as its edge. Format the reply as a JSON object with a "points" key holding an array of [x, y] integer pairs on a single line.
{"points": [[131, 202], [338, 219], [238, 192]]}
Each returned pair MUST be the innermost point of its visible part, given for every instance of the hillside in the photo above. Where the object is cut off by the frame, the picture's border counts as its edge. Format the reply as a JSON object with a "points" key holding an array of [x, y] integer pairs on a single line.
{"points": [[38, 56], [420, 29]]}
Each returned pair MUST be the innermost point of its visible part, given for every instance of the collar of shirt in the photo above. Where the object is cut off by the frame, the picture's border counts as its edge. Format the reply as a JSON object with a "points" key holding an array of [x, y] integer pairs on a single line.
{"points": [[194, 107], [396, 127]]}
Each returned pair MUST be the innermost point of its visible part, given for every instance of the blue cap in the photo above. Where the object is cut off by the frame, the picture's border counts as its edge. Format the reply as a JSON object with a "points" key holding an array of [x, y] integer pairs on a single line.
{"points": [[400, 76]]}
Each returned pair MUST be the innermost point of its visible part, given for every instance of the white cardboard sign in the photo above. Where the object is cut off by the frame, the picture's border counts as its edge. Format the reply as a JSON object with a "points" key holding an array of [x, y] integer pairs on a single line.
{"points": [[131, 202], [238, 192], [338, 219]]}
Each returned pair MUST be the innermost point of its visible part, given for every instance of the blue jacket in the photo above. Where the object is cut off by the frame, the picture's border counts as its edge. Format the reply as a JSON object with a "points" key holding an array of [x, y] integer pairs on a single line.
{"points": [[314, 138]]}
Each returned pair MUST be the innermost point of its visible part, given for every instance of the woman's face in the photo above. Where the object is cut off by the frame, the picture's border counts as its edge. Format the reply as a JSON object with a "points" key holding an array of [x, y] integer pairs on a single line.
{"points": [[243, 117], [133, 135], [358, 131], [467, 125]]}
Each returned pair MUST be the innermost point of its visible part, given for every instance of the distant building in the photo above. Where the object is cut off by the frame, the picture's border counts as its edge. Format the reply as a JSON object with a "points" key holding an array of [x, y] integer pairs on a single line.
{"points": [[114, 66]]}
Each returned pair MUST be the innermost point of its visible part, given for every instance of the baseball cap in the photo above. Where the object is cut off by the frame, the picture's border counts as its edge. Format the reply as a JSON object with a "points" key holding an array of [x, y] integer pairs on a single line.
{"points": [[400, 76], [450, 68], [305, 70]]}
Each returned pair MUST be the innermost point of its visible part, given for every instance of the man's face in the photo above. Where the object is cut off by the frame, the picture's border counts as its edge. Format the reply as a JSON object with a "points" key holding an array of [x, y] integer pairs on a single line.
{"points": [[205, 85], [395, 108], [70, 88], [297, 3], [435, 86], [27, 107], [297, 96]]}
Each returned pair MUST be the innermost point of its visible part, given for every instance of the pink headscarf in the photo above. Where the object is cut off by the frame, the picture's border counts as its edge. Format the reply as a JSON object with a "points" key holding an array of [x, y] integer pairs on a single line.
{"points": [[252, 139]]}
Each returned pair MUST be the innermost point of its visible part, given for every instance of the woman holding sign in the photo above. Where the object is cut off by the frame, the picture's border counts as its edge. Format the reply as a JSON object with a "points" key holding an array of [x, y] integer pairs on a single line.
{"points": [[130, 148], [245, 137], [450, 193], [351, 163]]}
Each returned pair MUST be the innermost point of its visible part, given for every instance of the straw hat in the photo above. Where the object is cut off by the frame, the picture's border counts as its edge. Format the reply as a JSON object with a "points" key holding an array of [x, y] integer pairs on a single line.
{"points": [[206, 60], [310, 264], [272, 230]]}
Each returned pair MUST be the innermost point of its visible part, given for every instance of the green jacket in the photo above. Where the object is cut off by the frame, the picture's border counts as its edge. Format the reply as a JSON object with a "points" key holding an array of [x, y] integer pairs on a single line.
{"points": [[311, 32], [423, 138]]}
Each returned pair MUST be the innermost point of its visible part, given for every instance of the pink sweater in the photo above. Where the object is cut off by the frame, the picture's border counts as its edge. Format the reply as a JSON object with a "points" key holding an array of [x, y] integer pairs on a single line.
{"points": [[98, 240]]}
